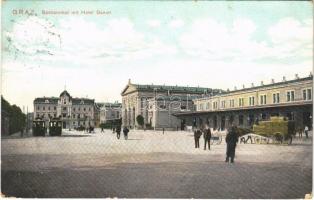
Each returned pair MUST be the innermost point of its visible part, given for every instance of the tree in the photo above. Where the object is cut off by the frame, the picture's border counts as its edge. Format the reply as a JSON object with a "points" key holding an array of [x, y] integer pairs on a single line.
{"points": [[140, 120], [17, 119]]}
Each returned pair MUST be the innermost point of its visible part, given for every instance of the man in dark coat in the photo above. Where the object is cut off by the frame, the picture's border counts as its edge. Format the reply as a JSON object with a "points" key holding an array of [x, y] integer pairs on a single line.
{"points": [[118, 130], [231, 140], [207, 136], [125, 132], [197, 135]]}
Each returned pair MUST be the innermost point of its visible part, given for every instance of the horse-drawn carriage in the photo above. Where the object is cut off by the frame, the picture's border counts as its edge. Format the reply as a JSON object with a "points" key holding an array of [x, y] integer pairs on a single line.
{"points": [[277, 129], [55, 127], [216, 137], [39, 127]]}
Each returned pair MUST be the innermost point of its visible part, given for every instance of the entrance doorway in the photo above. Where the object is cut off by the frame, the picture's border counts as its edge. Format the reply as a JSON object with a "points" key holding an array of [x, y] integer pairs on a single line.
{"points": [[215, 122], [182, 124], [223, 121], [307, 120], [64, 125]]}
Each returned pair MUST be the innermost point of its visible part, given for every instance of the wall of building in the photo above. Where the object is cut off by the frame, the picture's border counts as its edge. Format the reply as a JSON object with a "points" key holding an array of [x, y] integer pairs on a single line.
{"points": [[73, 112], [244, 115], [297, 87]]}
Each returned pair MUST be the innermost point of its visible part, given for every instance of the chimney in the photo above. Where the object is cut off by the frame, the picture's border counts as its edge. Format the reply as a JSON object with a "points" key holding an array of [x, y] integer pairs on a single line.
{"points": [[243, 86], [283, 78], [296, 76], [262, 83], [252, 84], [272, 81]]}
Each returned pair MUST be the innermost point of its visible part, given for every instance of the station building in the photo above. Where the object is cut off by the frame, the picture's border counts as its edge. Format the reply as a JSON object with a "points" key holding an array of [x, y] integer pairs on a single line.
{"points": [[152, 102], [292, 99]]}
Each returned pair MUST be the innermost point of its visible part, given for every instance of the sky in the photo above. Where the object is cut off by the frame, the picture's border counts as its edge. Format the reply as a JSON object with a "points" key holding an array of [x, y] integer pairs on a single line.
{"points": [[92, 48]]}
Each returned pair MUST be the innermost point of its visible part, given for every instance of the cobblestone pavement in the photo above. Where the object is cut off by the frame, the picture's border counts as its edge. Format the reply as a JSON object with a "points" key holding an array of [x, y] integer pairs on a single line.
{"points": [[151, 165]]}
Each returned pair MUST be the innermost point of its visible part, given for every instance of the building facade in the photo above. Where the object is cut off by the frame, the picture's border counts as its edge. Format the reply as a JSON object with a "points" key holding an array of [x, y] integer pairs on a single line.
{"points": [[292, 99], [73, 112], [161, 110], [136, 99], [110, 112], [97, 113]]}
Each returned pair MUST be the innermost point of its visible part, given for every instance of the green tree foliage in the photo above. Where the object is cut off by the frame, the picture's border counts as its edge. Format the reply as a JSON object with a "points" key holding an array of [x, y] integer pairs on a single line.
{"points": [[140, 120], [17, 119]]}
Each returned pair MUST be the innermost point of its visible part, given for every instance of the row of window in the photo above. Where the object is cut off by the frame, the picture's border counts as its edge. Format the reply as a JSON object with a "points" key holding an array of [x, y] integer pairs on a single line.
{"points": [[63, 108], [46, 115], [48, 108], [78, 116], [306, 95], [79, 109]]}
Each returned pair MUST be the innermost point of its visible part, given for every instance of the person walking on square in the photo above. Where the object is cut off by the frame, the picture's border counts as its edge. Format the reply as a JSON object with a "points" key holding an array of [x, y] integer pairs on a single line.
{"points": [[231, 140], [207, 136], [306, 131], [118, 130], [197, 135], [300, 133], [125, 132]]}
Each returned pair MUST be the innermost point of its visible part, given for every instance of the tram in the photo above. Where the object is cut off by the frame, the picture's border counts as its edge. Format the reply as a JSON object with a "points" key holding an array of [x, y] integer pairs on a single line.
{"points": [[39, 127], [55, 127]]}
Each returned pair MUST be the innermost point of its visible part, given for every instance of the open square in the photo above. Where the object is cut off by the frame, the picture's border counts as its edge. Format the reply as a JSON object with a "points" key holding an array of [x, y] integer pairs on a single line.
{"points": [[151, 164]]}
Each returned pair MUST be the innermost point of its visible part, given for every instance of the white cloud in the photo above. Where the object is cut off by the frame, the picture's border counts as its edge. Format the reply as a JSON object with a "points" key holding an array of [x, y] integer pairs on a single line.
{"points": [[33, 36], [177, 23], [206, 38], [214, 40], [83, 42], [243, 28], [291, 30], [292, 38], [153, 23]]}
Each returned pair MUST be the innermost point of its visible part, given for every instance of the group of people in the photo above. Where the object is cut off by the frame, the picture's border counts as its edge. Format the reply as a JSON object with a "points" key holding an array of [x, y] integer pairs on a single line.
{"points": [[118, 131], [231, 140], [306, 132], [206, 135]]}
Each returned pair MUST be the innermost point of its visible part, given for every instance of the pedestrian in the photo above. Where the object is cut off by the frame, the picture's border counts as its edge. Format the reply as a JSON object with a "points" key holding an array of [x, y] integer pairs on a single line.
{"points": [[300, 133], [231, 140], [114, 129], [306, 131], [118, 130], [22, 132], [102, 129], [125, 132], [207, 136], [163, 130], [197, 135]]}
